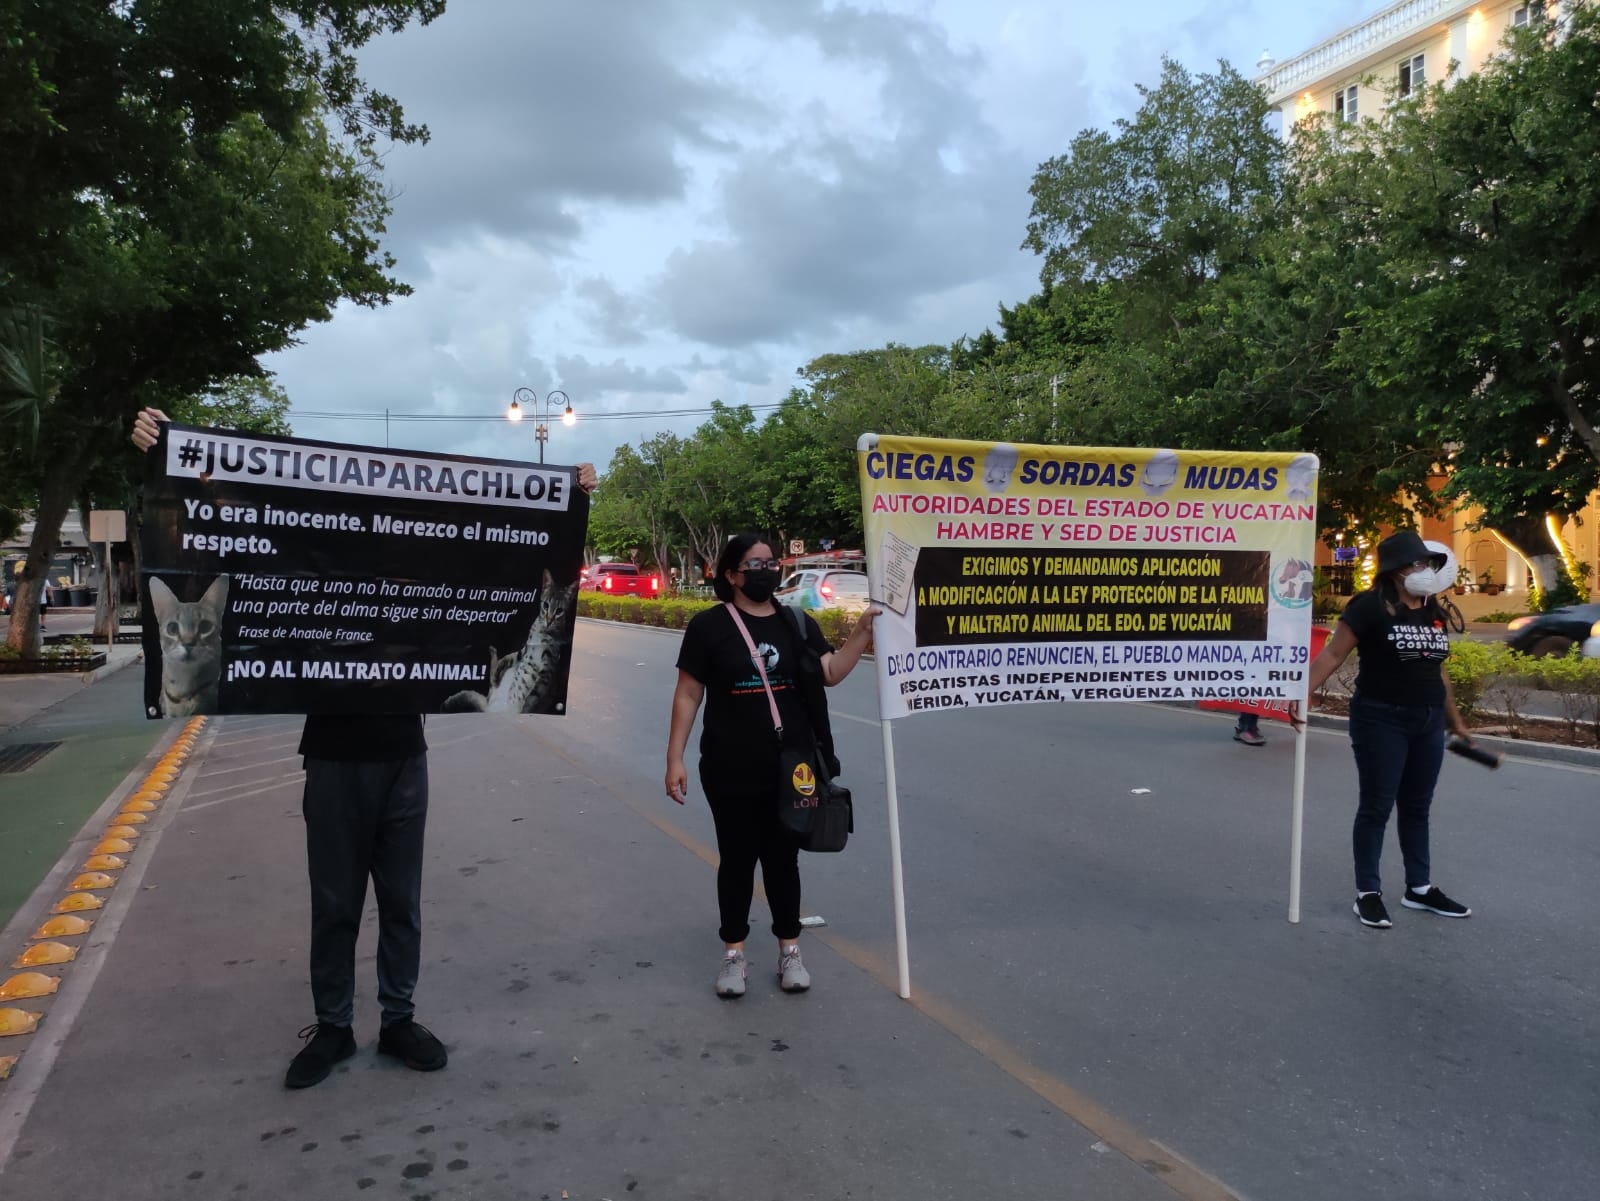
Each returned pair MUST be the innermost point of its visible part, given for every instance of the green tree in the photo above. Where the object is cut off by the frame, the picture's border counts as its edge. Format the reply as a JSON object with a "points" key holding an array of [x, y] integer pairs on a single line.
{"points": [[1475, 209], [182, 206]]}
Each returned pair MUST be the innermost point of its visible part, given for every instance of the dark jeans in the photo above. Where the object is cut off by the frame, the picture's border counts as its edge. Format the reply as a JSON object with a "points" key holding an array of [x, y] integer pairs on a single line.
{"points": [[747, 833], [365, 819], [1398, 750]]}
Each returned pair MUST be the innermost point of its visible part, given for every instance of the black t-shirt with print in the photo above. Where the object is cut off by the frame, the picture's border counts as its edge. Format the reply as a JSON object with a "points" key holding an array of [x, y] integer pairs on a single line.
{"points": [[1399, 655], [737, 739]]}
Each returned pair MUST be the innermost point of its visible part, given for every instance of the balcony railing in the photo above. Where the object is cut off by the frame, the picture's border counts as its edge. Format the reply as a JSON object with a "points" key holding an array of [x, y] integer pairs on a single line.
{"points": [[1357, 42]]}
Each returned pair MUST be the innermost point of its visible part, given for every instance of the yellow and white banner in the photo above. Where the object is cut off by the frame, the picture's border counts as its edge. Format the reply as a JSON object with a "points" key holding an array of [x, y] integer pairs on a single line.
{"points": [[1013, 573]]}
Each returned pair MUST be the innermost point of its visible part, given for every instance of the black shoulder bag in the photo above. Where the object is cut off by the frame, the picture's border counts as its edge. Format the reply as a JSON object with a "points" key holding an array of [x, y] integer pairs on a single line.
{"points": [[814, 810]]}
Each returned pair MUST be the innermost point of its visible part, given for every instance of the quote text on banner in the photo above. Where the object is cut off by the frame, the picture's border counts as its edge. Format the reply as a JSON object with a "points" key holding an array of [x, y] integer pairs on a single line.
{"points": [[1013, 573], [282, 575]]}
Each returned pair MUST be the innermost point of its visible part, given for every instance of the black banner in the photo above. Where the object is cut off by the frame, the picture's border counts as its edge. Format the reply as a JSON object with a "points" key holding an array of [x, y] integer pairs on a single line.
{"points": [[967, 596], [282, 575]]}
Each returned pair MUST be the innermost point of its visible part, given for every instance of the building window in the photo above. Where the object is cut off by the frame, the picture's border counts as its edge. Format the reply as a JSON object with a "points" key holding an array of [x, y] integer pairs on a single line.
{"points": [[1412, 76], [1344, 103], [1528, 14]]}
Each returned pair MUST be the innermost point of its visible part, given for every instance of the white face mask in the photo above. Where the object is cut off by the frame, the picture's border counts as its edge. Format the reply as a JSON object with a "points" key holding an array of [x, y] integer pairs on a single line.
{"points": [[1426, 583]]}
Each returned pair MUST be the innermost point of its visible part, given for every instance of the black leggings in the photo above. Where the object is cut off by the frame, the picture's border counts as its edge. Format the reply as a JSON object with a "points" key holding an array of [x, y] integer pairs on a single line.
{"points": [[747, 833]]}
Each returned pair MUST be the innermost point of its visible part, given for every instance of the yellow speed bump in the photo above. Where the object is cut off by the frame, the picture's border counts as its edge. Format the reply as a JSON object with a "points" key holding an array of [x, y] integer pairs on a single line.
{"points": [[46, 954], [63, 927], [93, 881], [132, 818], [139, 806], [7, 1062], [74, 901], [151, 790], [26, 985], [113, 846], [18, 1021], [104, 863], [127, 832], [162, 775], [144, 799]]}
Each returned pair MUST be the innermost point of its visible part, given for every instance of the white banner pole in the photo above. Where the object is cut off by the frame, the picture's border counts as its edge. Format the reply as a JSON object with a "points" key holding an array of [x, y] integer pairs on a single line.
{"points": [[1297, 821], [897, 875]]}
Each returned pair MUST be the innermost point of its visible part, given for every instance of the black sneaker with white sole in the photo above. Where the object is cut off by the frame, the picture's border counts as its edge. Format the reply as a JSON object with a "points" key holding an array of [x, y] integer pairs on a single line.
{"points": [[1434, 901], [1370, 909]]}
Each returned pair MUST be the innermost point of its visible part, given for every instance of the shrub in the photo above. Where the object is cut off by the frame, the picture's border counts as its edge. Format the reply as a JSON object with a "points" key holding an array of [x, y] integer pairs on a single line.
{"points": [[1499, 617], [9, 653], [1471, 665], [1576, 683], [1513, 680]]}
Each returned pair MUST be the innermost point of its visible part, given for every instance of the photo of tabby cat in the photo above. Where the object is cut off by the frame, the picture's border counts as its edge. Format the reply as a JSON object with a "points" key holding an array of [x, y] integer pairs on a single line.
{"points": [[191, 647], [522, 682]]}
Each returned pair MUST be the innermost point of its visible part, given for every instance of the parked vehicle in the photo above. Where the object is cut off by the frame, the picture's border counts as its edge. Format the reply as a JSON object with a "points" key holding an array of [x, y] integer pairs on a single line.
{"points": [[1555, 632], [818, 588], [621, 579]]}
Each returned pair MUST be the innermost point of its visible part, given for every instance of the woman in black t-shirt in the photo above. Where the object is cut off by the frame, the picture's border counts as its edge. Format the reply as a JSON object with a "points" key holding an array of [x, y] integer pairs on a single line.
{"points": [[739, 745], [1399, 710]]}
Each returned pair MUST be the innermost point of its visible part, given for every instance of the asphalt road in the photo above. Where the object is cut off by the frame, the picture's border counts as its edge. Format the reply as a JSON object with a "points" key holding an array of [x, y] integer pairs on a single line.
{"points": [[1135, 947], [1107, 1000]]}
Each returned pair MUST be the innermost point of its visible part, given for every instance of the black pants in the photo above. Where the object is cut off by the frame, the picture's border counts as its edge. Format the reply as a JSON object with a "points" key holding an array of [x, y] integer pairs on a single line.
{"points": [[1399, 750], [748, 833], [365, 819]]}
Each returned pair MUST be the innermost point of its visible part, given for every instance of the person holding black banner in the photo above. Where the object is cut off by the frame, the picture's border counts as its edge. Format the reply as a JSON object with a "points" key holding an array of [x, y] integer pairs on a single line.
{"points": [[1399, 710], [739, 748], [365, 804]]}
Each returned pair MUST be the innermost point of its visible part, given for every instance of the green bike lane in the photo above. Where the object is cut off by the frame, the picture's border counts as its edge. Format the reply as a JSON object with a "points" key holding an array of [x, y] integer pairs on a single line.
{"points": [[103, 736]]}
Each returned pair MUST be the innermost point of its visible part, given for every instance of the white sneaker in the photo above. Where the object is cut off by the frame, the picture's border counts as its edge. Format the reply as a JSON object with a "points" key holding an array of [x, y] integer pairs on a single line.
{"points": [[730, 980], [792, 974]]}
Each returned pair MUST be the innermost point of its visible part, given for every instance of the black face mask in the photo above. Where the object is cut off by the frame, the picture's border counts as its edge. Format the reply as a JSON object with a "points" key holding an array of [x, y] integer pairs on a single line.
{"points": [[759, 585]]}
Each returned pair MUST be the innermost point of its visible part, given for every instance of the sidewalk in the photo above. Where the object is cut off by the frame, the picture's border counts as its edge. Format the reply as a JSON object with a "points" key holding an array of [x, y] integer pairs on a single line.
{"points": [[89, 732]]}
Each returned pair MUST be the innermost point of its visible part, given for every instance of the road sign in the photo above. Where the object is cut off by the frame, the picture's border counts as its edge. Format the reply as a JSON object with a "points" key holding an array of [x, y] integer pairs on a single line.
{"points": [[108, 525], [797, 547]]}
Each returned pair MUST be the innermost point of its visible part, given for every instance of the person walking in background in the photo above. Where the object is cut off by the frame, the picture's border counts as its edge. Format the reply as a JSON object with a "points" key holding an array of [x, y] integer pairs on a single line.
{"points": [[739, 747], [1248, 730], [1399, 711], [47, 595], [365, 805]]}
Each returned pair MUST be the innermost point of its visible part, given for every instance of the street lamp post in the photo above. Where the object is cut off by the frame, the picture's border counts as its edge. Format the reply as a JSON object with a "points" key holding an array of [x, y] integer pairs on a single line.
{"points": [[541, 410]]}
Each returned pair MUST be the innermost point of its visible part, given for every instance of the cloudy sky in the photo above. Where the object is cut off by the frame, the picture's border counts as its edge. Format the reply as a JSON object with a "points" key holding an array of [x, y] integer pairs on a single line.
{"points": [[654, 204]]}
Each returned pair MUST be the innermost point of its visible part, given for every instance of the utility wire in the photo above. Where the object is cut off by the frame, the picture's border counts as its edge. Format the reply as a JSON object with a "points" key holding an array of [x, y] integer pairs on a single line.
{"points": [[583, 418]]}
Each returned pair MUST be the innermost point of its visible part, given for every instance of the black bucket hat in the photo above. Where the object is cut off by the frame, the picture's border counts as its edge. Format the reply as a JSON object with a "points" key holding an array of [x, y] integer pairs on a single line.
{"points": [[1403, 549]]}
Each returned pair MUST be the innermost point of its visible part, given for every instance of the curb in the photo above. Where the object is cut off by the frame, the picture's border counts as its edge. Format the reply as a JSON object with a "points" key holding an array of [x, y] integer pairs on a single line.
{"points": [[1515, 748]]}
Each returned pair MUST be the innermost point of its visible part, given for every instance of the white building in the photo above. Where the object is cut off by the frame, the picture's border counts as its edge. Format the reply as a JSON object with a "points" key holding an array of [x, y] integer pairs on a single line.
{"points": [[1357, 73]]}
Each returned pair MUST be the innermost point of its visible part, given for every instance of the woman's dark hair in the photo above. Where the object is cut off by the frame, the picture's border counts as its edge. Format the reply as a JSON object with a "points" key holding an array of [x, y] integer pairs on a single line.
{"points": [[732, 555]]}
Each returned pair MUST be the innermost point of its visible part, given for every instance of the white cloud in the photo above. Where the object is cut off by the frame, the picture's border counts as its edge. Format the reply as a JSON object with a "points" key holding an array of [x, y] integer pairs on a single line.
{"points": [[652, 204]]}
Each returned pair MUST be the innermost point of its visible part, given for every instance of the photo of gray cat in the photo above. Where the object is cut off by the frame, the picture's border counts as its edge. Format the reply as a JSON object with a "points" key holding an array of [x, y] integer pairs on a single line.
{"points": [[522, 682], [191, 647]]}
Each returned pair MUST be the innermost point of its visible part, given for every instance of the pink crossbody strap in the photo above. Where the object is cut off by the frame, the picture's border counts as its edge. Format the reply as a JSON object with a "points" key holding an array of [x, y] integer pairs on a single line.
{"points": [[755, 657]]}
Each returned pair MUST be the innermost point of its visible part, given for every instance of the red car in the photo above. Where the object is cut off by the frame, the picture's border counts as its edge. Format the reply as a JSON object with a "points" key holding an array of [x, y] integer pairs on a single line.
{"points": [[621, 579]]}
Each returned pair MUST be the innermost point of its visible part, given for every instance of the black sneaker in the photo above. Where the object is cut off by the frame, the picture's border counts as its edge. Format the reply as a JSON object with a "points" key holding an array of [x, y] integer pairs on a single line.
{"points": [[413, 1045], [1434, 901], [326, 1046], [1369, 908]]}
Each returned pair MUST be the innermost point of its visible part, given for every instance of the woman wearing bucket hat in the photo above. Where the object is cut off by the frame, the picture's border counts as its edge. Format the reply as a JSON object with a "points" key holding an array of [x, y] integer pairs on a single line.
{"points": [[1399, 711]]}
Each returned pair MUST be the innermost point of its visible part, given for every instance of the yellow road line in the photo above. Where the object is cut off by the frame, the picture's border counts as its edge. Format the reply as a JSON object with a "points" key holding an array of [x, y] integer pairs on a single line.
{"points": [[1183, 1178]]}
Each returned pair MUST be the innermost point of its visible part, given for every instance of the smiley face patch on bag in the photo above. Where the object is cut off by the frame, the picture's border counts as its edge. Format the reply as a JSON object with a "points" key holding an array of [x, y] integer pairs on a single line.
{"points": [[804, 780]]}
